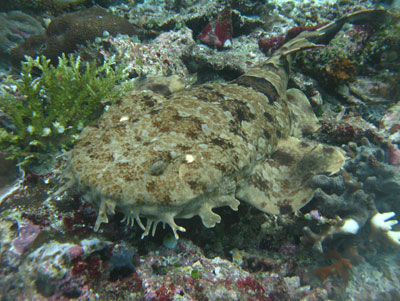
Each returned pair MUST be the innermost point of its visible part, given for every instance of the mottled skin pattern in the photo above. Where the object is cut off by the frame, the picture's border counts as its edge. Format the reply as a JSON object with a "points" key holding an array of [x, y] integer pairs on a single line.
{"points": [[175, 157], [149, 151]]}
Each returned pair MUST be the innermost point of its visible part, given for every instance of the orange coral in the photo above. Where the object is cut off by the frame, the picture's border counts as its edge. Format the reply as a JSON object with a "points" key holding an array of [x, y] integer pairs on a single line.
{"points": [[341, 71], [341, 268], [351, 252], [333, 255]]}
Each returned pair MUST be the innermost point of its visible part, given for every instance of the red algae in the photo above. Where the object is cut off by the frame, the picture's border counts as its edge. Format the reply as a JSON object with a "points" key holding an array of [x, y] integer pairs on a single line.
{"points": [[252, 286], [341, 268], [268, 46], [218, 33]]}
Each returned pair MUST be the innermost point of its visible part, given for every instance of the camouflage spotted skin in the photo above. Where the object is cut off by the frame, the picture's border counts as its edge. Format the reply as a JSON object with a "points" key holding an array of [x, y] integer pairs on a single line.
{"points": [[162, 158]]}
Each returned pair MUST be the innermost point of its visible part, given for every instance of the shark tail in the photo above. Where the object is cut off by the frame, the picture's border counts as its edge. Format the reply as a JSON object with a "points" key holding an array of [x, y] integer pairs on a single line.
{"points": [[321, 37]]}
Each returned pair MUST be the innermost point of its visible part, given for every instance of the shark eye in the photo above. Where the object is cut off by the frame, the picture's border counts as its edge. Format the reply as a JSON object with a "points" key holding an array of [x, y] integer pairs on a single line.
{"points": [[158, 167]]}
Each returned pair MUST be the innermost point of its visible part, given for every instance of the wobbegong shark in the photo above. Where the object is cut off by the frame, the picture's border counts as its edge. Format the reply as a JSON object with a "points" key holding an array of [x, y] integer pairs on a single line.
{"points": [[161, 158]]}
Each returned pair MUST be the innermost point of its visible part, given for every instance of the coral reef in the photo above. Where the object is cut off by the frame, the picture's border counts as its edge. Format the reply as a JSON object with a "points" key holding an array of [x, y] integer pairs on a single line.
{"points": [[375, 283], [49, 249], [383, 52], [341, 71], [205, 62], [162, 56], [345, 59], [390, 124], [351, 128], [8, 175], [270, 45], [337, 226], [65, 33], [340, 268], [53, 6], [16, 26], [219, 278], [367, 186], [165, 16]]}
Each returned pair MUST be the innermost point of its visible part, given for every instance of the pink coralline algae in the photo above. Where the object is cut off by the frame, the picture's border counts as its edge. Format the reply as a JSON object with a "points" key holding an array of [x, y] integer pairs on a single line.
{"points": [[390, 124], [271, 44], [218, 33], [75, 252], [349, 129], [393, 154], [27, 234], [268, 46], [252, 287]]}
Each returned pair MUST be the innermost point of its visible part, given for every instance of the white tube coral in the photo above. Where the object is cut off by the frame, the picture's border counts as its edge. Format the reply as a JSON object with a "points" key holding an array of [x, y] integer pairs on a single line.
{"points": [[382, 223], [349, 226], [338, 226]]}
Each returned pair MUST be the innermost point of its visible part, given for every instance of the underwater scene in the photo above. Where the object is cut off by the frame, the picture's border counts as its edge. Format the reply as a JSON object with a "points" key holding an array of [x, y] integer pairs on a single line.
{"points": [[199, 150]]}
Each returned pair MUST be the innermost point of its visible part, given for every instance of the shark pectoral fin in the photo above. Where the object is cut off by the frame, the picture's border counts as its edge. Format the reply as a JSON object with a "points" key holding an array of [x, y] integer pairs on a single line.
{"points": [[304, 121], [282, 184]]}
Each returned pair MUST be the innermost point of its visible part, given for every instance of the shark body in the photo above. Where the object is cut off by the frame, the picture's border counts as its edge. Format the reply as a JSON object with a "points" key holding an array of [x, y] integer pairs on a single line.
{"points": [[162, 158]]}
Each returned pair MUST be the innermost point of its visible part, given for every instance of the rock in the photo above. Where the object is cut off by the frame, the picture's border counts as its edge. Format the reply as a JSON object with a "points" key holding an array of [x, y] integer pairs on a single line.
{"points": [[15, 28], [67, 32]]}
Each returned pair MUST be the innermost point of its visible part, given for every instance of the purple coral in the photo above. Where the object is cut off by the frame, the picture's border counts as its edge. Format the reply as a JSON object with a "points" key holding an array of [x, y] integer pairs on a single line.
{"points": [[27, 235]]}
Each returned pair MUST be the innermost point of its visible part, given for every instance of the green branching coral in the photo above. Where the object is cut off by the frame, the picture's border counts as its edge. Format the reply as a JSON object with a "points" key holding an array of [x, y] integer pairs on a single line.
{"points": [[49, 111]]}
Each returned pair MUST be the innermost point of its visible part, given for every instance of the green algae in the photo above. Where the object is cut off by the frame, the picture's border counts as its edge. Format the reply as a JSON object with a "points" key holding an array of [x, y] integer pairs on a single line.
{"points": [[48, 112], [195, 274]]}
